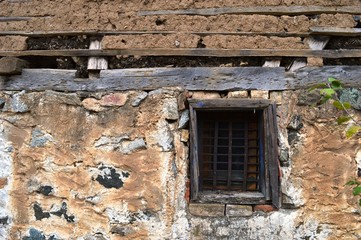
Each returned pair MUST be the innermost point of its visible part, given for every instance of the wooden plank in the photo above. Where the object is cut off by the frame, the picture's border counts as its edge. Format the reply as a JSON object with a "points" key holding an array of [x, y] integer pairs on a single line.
{"points": [[14, 19], [273, 161], [105, 33], [210, 104], [266, 10], [342, 53], [210, 79], [194, 162], [336, 31], [216, 79], [308, 76]]}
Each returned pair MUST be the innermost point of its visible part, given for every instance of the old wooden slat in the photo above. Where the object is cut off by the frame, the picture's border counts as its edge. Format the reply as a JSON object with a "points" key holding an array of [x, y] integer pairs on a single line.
{"points": [[14, 19], [194, 163], [96, 63], [104, 33], [336, 31], [229, 103], [267, 10], [308, 76], [271, 144], [343, 53], [203, 78]]}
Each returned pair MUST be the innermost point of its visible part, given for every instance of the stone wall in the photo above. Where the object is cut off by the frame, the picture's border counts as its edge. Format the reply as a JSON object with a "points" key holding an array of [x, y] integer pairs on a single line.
{"points": [[114, 165]]}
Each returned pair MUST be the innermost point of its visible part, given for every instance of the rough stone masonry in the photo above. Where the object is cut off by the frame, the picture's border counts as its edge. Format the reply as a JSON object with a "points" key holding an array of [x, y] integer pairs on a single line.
{"points": [[114, 165]]}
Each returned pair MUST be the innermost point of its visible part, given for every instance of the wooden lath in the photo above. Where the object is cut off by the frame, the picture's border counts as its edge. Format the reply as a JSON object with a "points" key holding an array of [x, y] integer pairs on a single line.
{"points": [[342, 53], [264, 10], [335, 31]]}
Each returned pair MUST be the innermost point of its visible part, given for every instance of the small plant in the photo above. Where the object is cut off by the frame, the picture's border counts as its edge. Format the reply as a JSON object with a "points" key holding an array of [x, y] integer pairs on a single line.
{"points": [[329, 91], [356, 188]]}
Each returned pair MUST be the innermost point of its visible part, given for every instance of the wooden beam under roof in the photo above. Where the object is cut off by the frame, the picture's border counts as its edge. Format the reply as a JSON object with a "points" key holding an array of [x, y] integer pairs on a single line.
{"points": [[200, 78], [342, 53], [264, 10]]}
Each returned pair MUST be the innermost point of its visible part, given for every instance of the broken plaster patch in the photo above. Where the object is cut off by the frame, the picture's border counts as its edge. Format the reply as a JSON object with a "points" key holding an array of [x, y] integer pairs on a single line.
{"points": [[109, 177], [39, 138], [163, 137], [120, 143]]}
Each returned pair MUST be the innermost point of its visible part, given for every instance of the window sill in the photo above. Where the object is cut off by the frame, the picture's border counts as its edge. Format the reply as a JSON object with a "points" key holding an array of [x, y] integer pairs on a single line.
{"points": [[230, 197]]}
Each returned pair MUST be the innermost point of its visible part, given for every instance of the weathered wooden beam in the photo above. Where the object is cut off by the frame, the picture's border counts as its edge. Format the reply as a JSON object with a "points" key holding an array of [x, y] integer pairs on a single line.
{"points": [[335, 31], [342, 53], [267, 10], [105, 33], [203, 78], [20, 18], [14, 19]]}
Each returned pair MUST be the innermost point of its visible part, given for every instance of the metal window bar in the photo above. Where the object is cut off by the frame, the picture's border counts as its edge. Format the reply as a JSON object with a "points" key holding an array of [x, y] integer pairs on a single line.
{"points": [[217, 163]]}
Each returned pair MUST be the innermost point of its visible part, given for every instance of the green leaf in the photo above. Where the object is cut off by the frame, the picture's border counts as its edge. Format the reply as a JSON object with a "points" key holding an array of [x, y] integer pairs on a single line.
{"points": [[359, 202], [347, 105], [324, 99], [351, 182], [317, 86], [338, 105], [335, 84], [327, 92], [356, 190], [343, 119], [352, 131]]}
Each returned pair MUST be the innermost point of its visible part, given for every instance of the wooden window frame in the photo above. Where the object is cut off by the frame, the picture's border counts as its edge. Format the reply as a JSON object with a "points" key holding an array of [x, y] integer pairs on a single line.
{"points": [[270, 190]]}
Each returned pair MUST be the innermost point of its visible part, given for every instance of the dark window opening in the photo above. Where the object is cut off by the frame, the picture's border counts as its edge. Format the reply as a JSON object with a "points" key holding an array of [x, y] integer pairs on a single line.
{"points": [[229, 153], [234, 152]]}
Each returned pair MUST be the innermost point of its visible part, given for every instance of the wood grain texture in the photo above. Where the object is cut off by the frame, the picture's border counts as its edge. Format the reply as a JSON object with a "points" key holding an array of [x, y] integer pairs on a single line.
{"points": [[267, 10], [202, 78], [199, 52], [336, 31]]}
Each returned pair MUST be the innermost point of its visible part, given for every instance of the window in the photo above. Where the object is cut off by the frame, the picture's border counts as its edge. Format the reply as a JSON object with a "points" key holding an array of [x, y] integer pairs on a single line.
{"points": [[234, 151]]}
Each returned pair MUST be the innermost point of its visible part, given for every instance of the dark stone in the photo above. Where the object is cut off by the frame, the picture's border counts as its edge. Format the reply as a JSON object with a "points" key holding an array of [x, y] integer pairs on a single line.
{"points": [[39, 213], [118, 230], [307, 98], [34, 235], [68, 218], [4, 220], [293, 136], [296, 123], [45, 190], [351, 95], [63, 210], [359, 172], [284, 157], [111, 179]]}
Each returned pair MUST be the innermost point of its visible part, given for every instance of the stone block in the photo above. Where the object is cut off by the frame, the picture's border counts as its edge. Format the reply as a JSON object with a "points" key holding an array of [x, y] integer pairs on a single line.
{"points": [[207, 209], [114, 99], [276, 96], [92, 104], [238, 94], [184, 119], [205, 95], [264, 208], [259, 94], [12, 66], [138, 98], [184, 135], [315, 61], [239, 210]]}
